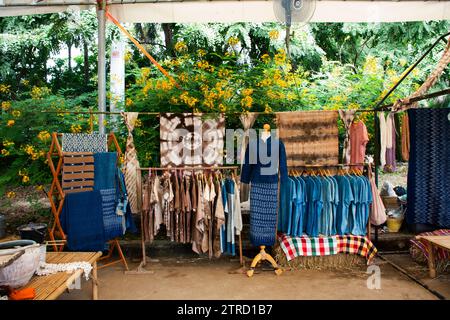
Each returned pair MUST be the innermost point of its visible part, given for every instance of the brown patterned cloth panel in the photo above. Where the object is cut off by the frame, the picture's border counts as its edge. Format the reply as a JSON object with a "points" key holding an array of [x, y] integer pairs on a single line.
{"points": [[310, 137], [78, 172]]}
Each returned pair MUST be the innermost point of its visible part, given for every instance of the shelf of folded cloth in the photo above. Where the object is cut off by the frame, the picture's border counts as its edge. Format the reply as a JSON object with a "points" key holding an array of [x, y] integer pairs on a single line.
{"points": [[330, 252]]}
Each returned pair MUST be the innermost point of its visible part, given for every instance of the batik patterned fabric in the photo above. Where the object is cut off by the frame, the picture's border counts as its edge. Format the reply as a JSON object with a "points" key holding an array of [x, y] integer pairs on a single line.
{"points": [[131, 162], [310, 137], [81, 142], [429, 168], [263, 213], [191, 140], [113, 223], [325, 246]]}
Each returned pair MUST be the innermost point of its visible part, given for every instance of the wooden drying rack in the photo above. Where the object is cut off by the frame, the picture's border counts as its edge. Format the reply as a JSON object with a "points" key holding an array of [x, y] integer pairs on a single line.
{"points": [[139, 170], [56, 197]]}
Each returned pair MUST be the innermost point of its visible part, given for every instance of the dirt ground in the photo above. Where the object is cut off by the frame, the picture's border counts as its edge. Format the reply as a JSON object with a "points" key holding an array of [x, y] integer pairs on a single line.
{"points": [[195, 279]]}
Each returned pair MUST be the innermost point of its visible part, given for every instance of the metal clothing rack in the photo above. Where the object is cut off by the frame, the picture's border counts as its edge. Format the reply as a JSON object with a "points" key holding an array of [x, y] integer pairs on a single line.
{"points": [[139, 171], [56, 197]]}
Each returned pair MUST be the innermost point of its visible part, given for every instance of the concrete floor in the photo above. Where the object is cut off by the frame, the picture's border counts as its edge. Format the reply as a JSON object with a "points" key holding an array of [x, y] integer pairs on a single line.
{"points": [[185, 278]]}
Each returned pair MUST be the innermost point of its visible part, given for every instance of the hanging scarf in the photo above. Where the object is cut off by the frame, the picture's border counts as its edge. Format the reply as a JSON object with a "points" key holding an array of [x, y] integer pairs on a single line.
{"points": [[347, 117], [131, 162]]}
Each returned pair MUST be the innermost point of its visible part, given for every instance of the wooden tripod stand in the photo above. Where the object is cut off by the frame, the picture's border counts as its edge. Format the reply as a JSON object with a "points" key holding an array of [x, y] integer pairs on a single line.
{"points": [[261, 256], [56, 196]]}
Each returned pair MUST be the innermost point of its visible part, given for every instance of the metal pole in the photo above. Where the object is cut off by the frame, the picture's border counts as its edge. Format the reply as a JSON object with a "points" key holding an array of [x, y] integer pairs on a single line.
{"points": [[101, 4]]}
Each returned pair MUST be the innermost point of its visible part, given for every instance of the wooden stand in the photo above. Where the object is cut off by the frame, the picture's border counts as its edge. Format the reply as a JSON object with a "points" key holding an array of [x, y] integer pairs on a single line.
{"points": [[56, 197], [261, 256]]}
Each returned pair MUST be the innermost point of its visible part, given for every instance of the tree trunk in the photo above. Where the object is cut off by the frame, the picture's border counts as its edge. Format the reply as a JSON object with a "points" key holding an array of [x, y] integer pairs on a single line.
{"points": [[69, 49], [86, 61], [168, 36]]}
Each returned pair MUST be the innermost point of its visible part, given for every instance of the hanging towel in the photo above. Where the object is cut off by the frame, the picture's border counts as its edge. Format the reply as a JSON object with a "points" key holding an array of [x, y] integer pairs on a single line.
{"points": [[405, 137], [131, 162], [383, 139], [347, 117], [82, 221], [429, 168], [105, 168], [391, 134], [82, 142], [247, 120]]}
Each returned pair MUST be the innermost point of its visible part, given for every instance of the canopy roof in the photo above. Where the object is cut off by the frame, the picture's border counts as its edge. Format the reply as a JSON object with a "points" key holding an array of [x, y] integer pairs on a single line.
{"points": [[239, 11]]}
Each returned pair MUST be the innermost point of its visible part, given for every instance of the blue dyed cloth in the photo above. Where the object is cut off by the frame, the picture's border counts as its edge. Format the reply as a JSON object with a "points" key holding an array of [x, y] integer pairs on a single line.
{"points": [[345, 200], [113, 223], [263, 213], [429, 169], [105, 168], [82, 220], [260, 166]]}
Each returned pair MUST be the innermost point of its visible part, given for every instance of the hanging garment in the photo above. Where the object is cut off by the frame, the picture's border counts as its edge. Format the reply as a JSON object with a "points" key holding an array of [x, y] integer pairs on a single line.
{"points": [[113, 223], [167, 206], [347, 117], [156, 200], [199, 221], [78, 173], [391, 165], [263, 213], [148, 209], [82, 221], [230, 223], [131, 163], [299, 207], [383, 139], [123, 204], [378, 211], [346, 199], [237, 209], [358, 142], [429, 168], [247, 120], [310, 137], [405, 137], [82, 142], [219, 219]]}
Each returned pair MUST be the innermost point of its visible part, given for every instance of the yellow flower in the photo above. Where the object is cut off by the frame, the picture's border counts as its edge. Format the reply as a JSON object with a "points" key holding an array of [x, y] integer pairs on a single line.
{"points": [[274, 34], [201, 52], [11, 195], [247, 92], [246, 102], [267, 109], [232, 41], [280, 57], [402, 62], [129, 102], [10, 123], [224, 73], [203, 64], [39, 92], [6, 105], [40, 187], [183, 77], [222, 108], [173, 100], [75, 128], [180, 46], [44, 135], [5, 152], [138, 123], [128, 56], [25, 82], [371, 65], [25, 179], [265, 58], [4, 88]]}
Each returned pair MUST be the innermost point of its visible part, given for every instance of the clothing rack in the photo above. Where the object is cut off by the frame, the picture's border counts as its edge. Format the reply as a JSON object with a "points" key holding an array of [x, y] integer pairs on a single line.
{"points": [[56, 197], [139, 171]]}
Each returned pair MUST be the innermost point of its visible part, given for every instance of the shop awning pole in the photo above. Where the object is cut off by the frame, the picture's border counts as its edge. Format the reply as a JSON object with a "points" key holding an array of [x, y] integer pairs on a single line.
{"points": [[101, 6]]}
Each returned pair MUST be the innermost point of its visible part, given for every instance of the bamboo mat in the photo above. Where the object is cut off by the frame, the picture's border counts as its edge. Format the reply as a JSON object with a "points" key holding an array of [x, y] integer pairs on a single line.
{"points": [[50, 287]]}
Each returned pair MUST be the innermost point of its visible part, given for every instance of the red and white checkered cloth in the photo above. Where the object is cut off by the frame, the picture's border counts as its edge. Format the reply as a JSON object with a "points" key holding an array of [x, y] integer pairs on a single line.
{"points": [[324, 246]]}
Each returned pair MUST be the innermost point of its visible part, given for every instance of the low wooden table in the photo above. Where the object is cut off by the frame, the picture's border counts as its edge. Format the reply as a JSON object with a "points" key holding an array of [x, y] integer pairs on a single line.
{"points": [[432, 242], [50, 287]]}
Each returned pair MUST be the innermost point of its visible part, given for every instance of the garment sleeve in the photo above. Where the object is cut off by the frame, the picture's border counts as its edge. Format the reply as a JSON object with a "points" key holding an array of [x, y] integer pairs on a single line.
{"points": [[283, 163], [247, 167]]}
